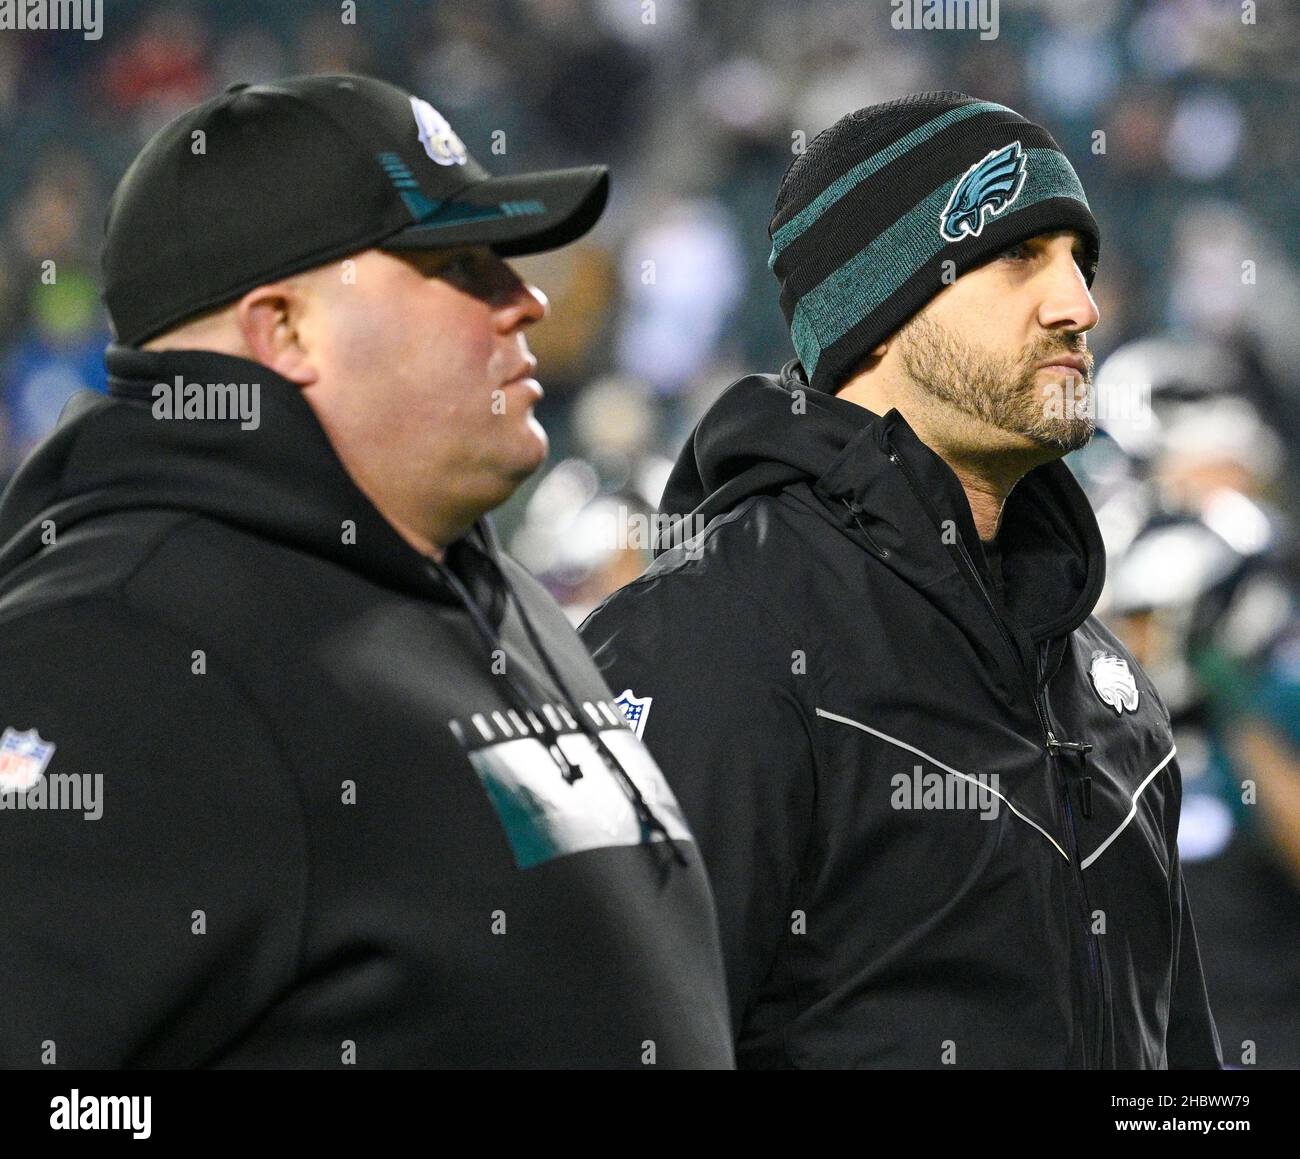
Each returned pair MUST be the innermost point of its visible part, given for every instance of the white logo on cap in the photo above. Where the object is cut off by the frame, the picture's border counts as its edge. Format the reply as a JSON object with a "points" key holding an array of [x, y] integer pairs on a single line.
{"points": [[437, 136]]}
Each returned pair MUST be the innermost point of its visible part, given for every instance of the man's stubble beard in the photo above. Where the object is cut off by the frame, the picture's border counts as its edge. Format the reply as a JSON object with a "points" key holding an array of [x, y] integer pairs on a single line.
{"points": [[1005, 393]]}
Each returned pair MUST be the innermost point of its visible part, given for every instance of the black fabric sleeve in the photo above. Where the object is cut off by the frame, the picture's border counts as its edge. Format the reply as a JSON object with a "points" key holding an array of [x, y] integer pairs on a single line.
{"points": [[154, 933], [729, 729], [1192, 1040]]}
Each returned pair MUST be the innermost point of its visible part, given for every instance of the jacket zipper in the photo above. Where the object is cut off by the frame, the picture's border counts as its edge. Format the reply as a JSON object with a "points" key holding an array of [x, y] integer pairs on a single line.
{"points": [[1054, 749], [1094, 947]]}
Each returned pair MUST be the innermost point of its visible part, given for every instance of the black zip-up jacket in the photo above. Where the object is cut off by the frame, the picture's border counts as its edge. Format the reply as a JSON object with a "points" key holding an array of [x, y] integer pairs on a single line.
{"points": [[831, 680], [329, 829]]}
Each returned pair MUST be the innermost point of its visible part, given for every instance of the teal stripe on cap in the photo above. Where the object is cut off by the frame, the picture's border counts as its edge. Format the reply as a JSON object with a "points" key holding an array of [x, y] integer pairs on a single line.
{"points": [[458, 213], [842, 299], [805, 341], [873, 164]]}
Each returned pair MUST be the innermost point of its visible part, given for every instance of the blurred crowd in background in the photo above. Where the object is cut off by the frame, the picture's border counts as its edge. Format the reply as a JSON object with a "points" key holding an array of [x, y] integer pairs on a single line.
{"points": [[1180, 117]]}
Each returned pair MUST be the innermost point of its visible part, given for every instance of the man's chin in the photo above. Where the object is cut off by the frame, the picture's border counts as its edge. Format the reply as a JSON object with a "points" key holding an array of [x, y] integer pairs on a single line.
{"points": [[529, 452], [537, 443], [1065, 437]]}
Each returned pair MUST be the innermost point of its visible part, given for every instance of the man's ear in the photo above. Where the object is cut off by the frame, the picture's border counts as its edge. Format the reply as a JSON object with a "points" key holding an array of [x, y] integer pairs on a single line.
{"points": [[270, 321]]}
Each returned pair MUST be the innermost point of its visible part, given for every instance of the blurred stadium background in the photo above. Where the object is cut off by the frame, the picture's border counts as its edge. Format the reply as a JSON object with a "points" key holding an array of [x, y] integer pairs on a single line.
{"points": [[698, 107]]}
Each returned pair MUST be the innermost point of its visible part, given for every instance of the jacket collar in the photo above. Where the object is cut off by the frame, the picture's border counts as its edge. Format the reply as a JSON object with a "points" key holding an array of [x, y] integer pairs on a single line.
{"points": [[907, 499]]}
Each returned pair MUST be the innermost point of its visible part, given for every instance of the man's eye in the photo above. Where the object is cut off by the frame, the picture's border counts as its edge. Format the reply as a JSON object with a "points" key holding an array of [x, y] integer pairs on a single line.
{"points": [[457, 265], [478, 273], [469, 273], [1015, 253]]}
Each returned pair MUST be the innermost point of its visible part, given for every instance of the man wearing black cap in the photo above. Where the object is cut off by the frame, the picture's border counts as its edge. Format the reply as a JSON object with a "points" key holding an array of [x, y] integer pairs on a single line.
{"points": [[938, 800], [298, 769]]}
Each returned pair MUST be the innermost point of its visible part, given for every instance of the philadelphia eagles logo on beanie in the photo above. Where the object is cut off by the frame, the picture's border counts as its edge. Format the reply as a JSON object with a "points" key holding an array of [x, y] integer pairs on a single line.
{"points": [[889, 204], [991, 184]]}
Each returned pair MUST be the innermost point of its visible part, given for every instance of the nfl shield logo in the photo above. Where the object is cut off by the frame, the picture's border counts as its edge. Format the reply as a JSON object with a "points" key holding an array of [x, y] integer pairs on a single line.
{"points": [[23, 757], [636, 709]]}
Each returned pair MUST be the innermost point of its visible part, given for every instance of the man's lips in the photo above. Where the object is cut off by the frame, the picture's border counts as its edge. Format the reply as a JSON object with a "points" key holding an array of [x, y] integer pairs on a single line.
{"points": [[1065, 364], [525, 378]]}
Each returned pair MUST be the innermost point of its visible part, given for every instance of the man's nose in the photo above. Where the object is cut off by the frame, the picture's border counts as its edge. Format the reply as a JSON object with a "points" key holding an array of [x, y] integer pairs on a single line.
{"points": [[1067, 302], [524, 305]]}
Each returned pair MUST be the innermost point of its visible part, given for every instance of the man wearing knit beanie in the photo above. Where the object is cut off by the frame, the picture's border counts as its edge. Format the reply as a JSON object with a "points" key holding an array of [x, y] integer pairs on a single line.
{"points": [[892, 203], [937, 798]]}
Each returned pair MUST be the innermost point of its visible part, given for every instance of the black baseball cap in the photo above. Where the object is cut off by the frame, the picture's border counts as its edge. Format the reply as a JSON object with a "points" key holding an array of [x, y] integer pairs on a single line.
{"points": [[271, 179]]}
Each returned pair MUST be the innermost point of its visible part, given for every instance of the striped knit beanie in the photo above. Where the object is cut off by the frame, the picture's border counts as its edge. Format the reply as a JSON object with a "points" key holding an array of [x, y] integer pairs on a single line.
{"points": [[867, 216]]}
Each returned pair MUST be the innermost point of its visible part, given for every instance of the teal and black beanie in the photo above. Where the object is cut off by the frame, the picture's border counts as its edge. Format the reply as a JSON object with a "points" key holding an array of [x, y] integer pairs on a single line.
{"points": [[867, 216]]}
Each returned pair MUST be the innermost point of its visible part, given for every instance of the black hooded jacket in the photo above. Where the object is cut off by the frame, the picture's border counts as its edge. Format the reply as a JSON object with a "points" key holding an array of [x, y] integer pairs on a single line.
{"points": [[939, 811], [329, 829]]}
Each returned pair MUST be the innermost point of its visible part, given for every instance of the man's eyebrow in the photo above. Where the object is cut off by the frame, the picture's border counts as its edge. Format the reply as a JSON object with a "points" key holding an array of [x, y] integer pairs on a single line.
{"points": [[436, 256], [1078, 246], [1044, 238]]}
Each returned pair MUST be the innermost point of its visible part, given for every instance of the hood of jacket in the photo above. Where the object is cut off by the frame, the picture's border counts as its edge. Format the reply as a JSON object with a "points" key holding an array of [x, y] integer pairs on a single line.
{"points": [[874, 479], [280, 479]]}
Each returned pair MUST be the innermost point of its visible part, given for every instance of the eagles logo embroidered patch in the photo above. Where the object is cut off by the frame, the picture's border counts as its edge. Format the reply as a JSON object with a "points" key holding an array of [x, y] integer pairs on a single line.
{"points": [[1113, 682], [987, 189]]}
